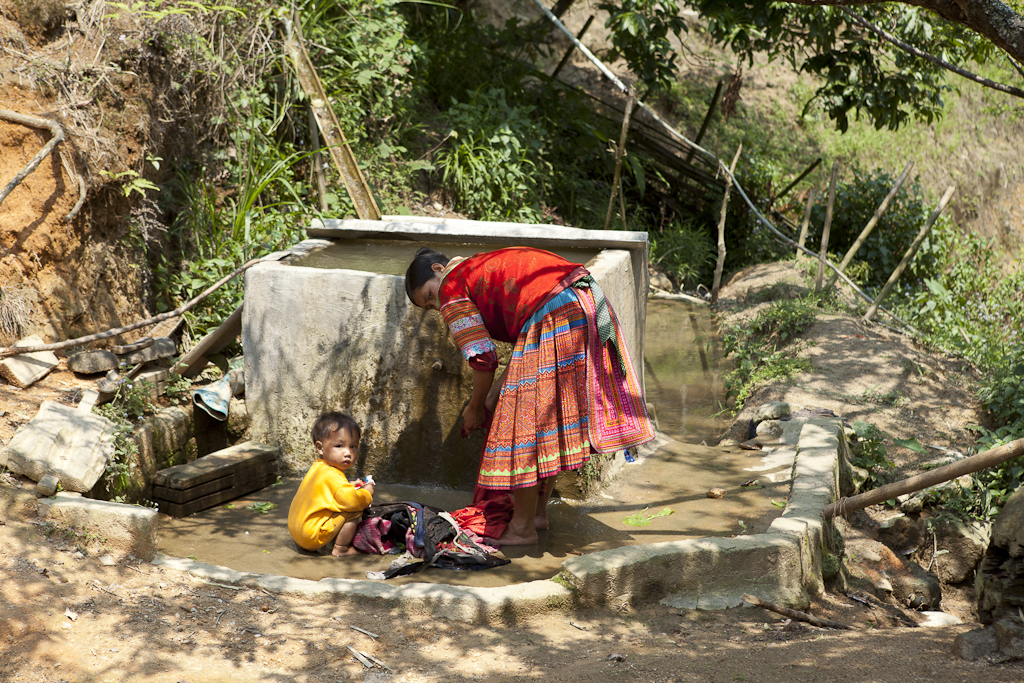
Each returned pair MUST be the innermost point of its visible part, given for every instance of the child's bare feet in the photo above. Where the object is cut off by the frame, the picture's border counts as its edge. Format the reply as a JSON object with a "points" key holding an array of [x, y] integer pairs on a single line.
{"points": [[343, 551]]}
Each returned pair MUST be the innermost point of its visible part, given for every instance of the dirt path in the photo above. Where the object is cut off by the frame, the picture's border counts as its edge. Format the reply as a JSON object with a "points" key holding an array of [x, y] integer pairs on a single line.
{"points": [[65, 616]]}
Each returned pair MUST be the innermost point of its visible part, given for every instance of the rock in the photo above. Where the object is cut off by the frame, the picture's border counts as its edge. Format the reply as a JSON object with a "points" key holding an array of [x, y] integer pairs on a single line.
{"points": [[966, 544], [936, 619], [901, 533], [716, 493], [1010, 635], [916, 586], [769, 428], [1008, 528], [107, 560], [123, 349], [659, 280], [163, 347], [91, 362], [773, 410], [912, 505], [28, 368], [974, 645], [122, 530], [60, 440], [47, 486]]}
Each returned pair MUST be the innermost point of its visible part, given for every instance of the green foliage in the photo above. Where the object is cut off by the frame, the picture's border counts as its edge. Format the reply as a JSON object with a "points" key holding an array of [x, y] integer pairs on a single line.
{"points": [[760, 350], [131, 402], [870, 453], [495, 158], [645, 518], [856, 202], [685, 252], [640, 32]]}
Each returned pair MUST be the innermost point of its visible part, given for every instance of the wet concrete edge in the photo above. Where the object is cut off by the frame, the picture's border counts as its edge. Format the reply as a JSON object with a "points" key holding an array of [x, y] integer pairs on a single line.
{"points": [[782, 565]]}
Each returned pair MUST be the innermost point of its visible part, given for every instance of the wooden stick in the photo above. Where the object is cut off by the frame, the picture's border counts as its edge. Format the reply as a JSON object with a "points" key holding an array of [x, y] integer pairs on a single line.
{"points": [[796, 180], [721, 229], [794, 614], [193, 362], [362, 659], [980, 461], [15, 350], [806, 222], [823, 254], [707, 119], [318, 159], [618, 161], [907, 257], [572, 48], [356, 628], [871, 223]]}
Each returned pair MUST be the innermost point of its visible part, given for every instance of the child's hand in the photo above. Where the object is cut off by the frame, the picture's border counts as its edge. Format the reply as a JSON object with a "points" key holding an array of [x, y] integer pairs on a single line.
{"points": [[368, 487]]}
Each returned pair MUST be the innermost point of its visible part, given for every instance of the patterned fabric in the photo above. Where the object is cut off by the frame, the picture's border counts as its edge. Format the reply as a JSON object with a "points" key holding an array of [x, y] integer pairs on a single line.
{"points": [[467, 327], [540, 422], [504, 286], [617, 409]]}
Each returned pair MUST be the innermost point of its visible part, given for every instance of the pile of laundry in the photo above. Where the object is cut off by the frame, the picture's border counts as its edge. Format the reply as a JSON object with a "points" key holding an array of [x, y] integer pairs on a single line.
{"points": [[424, 537]]}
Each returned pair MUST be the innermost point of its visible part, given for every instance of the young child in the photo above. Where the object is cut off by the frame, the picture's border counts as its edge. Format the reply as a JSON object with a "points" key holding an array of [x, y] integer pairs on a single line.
{"points": [[327, 507]]}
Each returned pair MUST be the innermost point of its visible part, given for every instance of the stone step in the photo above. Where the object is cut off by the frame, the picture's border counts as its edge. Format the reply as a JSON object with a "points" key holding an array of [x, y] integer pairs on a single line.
{"points": [[213, 479], [216, 498]]}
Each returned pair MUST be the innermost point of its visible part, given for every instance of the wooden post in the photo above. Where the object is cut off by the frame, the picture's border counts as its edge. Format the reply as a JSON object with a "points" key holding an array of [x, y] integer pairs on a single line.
{"points": [[318, 160], [721, 227], [800, 177], [910, 253], [707, 120], [572, 48], [980, 461], [806, 222], [823, 254], [619, 151], [871, 224]]}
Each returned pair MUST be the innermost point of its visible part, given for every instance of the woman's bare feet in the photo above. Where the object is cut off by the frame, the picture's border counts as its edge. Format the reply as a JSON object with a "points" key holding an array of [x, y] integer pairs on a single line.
{"points": [[540, 522], [510, 537], [343, 551]]}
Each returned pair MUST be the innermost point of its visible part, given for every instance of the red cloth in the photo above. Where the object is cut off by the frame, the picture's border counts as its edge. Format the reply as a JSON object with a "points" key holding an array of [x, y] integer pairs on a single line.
{"points": [[506, 286]]}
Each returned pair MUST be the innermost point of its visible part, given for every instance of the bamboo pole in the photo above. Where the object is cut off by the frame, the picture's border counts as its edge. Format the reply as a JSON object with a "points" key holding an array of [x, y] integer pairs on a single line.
{"points": [[619, 151], [907, 257], [806, 222], [823, 254], [871, 223], [318, 159], [721, 227], [989, 458]]}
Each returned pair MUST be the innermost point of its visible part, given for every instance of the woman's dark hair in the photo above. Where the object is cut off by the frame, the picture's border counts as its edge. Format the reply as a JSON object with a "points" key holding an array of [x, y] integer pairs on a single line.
{"points": [[420, 271], [328, 423]]}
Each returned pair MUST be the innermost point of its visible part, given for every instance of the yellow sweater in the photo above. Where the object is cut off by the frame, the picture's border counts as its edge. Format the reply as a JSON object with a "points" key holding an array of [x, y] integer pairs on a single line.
{"points": [[320, 504]]}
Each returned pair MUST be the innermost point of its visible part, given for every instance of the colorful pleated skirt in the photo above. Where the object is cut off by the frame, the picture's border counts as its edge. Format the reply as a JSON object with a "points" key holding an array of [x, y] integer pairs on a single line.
{"points": [[565, 396]]}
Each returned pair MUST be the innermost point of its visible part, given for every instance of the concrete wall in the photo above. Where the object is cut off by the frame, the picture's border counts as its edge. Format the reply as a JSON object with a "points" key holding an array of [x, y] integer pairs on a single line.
{"points": [[317, 339]]}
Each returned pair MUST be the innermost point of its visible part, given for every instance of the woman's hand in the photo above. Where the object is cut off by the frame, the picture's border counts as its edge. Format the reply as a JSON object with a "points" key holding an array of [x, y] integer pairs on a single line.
{"points": [[473, 417]]}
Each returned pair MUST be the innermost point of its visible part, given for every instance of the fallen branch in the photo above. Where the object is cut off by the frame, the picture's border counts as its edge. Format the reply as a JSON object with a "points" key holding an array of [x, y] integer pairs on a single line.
{"points": [[794, 614], [13, 351], [980, 461], [33, 122]]}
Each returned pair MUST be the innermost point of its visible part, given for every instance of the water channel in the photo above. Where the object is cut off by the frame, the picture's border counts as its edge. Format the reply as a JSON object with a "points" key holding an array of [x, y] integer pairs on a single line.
{"points": [[683, 378]]}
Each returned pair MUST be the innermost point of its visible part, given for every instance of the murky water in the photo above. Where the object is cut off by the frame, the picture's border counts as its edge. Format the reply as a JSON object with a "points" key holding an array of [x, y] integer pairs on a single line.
{"points": [[392, 257], [684, 368], [662, 497]]}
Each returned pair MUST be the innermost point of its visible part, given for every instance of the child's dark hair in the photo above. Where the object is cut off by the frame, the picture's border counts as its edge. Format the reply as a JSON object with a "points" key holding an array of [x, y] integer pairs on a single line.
{"points": [[420, 271], [328, 423]]}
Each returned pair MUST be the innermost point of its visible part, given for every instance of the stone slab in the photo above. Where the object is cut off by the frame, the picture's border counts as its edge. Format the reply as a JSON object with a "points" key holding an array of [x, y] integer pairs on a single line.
{"points": [[163, 347], [72, 444], [28, 368], [123, 530], [240, 479], [123, 349], [240, 488], [215, 465], [92, 362]]}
